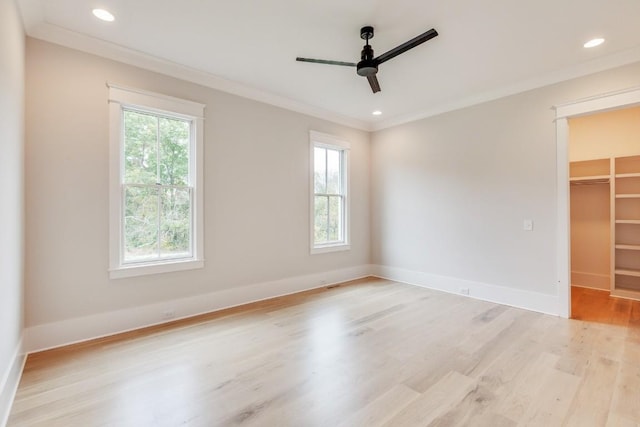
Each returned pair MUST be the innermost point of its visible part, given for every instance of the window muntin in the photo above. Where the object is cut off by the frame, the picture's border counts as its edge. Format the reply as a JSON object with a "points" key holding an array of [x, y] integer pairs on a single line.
{"points": [[329, 187]]}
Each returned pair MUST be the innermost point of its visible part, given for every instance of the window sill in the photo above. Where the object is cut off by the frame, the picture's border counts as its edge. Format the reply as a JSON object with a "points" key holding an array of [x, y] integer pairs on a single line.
{"points": [[158, 268], [330, 248]]}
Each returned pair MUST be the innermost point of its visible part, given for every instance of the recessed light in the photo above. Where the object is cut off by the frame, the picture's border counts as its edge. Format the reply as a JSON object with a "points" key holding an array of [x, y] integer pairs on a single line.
{"points": [[377, 113], [594, 43], [104, 15]]}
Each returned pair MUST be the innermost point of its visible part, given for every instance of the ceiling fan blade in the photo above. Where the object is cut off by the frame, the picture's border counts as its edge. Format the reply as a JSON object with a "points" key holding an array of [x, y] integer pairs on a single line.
{"points": [[406, 46], [373, 82], [324, 61]]}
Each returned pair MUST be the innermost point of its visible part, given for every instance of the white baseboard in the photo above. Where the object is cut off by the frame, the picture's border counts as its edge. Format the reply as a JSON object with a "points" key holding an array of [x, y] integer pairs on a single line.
{"points": [[534, 301], [573, 285], [9, 383], [57, 334], [70, 331], [590, 280]]}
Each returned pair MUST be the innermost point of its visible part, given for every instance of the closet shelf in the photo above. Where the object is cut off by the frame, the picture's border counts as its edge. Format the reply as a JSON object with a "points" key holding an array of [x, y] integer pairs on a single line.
{"points": [[627, 221], [588, 177], [622, 291], [628, 247], [627, 196], [628, 175], [627, 272], [592, 179]]}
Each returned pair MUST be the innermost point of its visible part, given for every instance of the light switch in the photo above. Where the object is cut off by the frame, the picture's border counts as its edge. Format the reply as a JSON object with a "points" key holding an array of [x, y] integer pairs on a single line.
{"points": [[528, 225]]}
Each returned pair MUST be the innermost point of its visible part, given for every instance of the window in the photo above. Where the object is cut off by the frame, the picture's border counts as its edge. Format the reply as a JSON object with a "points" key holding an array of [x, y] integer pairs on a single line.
{"points": [[329, 189], [156, 180]]}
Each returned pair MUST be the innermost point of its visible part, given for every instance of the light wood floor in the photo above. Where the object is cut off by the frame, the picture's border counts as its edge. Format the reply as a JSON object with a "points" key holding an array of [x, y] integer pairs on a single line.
{"points": [[374, 353], [594, 305]]}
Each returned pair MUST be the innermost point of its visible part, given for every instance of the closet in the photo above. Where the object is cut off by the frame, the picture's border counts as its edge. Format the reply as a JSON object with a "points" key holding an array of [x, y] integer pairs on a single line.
{"points": [[604, 152]]}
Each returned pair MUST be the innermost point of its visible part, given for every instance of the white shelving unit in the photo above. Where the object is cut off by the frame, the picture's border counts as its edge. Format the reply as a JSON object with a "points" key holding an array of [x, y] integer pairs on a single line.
{"points": [[625, 205], [622, 174]]}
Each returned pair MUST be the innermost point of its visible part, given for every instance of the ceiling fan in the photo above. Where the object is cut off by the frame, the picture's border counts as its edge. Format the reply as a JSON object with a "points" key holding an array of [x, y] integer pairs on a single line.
{"points": [[368, 65]]}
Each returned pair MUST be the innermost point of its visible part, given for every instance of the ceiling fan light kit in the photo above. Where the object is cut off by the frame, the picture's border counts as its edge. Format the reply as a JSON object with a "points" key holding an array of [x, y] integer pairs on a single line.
{"points": [[368, 65]]}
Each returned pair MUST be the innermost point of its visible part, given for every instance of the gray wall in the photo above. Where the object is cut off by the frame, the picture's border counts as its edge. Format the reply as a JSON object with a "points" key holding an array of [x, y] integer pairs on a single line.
{"points": [[256, 190], [450, 193], [11, 194]]}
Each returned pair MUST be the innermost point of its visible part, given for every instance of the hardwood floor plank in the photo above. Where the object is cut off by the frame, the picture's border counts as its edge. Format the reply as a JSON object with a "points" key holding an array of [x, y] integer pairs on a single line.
{"points": [[383, 408], [626, 397], [437, 400], [617, 420], [593, 400], [550, 405], [514, 402]]}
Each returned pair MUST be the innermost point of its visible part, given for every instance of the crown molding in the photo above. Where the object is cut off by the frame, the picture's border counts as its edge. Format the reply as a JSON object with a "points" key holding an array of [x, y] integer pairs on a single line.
{"points": [[32, 13], [84, 43], [593, 66], [33, 20]]}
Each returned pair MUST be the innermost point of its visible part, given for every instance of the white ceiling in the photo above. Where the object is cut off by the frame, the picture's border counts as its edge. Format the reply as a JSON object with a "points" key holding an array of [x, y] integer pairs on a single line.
{"points": [[486, 49]]}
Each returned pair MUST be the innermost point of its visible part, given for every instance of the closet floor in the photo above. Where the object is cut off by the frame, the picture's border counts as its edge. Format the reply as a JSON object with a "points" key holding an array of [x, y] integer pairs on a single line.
{"points": [[594, 305]]}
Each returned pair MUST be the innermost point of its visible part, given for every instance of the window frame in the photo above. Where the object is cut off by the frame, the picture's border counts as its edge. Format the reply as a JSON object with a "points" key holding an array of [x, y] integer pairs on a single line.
{"points": [[121, 99], [323, 140]]}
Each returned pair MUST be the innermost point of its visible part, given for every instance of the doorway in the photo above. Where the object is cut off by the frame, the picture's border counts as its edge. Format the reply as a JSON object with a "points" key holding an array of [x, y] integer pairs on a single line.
{"points": [[565, 112]]}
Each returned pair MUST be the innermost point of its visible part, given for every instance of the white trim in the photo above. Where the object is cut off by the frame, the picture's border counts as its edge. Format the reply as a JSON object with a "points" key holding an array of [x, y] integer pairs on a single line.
{"points": [[70, 331], [64, 37], [161, 103], [158, 268], [534, 301], [119, 98], [593, 66], [32, 14], [325, 140], [33, 18], [584, 279], [599, 103], [563, 237], [608, 290], [64, 332], [595, 104], [9, 382], [323, 249]]}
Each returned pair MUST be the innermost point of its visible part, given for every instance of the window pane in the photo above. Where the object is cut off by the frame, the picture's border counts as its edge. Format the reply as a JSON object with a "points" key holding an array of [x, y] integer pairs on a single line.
{"points": [[140, 148], [175, 222], [140, 224], [333, 172], [320, 219], [334, 231], [320, 170], [174, 151]]}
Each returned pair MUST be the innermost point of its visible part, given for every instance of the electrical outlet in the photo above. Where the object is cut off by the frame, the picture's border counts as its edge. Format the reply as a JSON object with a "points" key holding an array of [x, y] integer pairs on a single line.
{"points": [[527, 225], [169, 314], [464, 291]]}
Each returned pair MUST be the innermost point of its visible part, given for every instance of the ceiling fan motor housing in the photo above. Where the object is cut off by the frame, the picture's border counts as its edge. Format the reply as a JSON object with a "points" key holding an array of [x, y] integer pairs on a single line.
{"points": [[367, 66]]}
